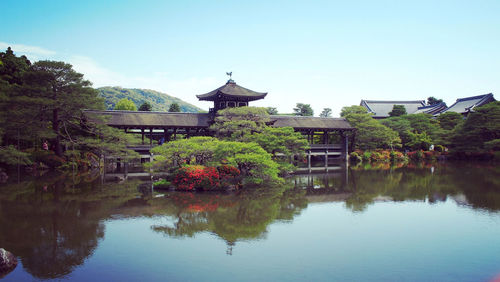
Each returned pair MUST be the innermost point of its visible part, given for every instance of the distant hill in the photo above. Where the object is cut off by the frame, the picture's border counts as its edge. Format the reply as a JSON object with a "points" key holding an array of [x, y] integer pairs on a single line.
{"points": [[159, 101]]}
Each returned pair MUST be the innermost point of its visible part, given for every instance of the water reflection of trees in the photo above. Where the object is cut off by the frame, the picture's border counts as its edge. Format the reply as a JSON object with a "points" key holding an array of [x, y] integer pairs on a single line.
{"points": [[232, 217], [54, 223], [468, 184]]}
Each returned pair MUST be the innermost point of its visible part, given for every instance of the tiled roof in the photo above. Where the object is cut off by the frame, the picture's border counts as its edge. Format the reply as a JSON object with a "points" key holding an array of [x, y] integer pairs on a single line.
{"points": [[152, 119], [432, 109], [300, 122], [465, 105], [135, 119], [232, 90], [381, 109]]}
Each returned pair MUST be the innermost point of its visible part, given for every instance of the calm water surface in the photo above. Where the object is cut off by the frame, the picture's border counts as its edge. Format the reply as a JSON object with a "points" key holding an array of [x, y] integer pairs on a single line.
{"points": [[424, 223]]}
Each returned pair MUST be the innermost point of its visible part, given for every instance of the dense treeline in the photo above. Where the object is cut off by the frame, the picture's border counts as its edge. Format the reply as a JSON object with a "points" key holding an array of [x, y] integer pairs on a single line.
{"points": [[158, 101], [477, 134], [42, 117]]}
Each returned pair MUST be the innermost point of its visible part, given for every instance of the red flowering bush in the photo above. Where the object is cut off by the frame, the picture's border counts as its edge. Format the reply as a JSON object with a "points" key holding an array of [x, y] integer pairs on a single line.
{"points": [[201, 202], [197, 177], [228, 175], [416, 155]]}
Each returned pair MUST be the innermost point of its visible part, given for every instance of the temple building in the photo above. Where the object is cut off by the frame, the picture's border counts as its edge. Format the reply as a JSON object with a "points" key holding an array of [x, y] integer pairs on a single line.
{"points": [[329, 137], [381, 109], [230, 95], [465, 106]]}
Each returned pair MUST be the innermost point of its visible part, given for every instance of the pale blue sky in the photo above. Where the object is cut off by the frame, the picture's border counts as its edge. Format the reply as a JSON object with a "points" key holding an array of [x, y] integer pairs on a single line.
{"points": [[325, 53]]}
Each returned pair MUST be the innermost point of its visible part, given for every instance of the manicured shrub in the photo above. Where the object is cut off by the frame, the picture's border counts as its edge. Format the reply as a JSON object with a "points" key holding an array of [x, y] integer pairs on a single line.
{"points": [[355, 157], [396, 156], [416, 155], [375, 156], [366, 156], [228, 175], [162, 184]]}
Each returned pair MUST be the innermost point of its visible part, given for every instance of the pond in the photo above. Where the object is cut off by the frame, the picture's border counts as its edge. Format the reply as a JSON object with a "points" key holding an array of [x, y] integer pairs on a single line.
{"points": [[436, 222]]}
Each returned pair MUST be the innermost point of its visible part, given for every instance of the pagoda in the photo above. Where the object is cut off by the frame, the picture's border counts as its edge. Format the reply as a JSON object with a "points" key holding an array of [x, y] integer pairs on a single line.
{"points": [[230, 95]]}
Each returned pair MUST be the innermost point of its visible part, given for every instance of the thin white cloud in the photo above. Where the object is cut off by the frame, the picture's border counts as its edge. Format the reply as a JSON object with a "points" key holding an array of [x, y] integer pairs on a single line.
{"points": [[27, 50], [184, 89]]}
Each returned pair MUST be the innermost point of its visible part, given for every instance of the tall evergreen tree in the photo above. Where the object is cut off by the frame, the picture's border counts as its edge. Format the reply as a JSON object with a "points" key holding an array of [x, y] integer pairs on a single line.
{"points": [[397, 110], [145, 107], [303, 110], [65, 94], [432, 100], [327, 112], [45, 101]]}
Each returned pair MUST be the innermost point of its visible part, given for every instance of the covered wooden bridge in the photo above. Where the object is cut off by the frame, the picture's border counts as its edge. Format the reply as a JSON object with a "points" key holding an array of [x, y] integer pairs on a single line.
{"points": [[328, 137]]}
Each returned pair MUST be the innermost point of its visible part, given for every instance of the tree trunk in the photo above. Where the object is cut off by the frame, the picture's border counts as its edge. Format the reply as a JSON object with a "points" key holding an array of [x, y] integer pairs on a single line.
{"points": [[55, 128]]}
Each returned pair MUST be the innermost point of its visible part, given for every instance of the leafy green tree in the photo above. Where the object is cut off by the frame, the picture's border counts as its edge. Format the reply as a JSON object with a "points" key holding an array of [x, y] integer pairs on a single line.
{"points": [[145, 107], [370, 133], [66, 94], [327, 112], [401, 126], [432, 101], [353, 110], [280, 141], [272, 111], [449, 120], [426, 123], [174, 108], [397, 110], [253, 161], [283, 143], [16, 116], [480, 127], [248, 124], [303, 110], [196, 150], [13, 67], [125, 105], [235, 123], [419, 141], [45, 101]]}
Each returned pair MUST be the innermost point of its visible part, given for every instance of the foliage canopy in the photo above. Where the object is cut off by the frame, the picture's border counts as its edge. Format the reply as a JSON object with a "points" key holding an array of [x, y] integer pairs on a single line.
{"points": [[303, 110], [125, 105]]}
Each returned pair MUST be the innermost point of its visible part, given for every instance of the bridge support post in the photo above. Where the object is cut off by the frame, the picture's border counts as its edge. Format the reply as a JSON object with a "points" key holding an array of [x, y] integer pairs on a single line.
{"points": [[150, 137], [326, 159], [345, 148], [309, 160]]}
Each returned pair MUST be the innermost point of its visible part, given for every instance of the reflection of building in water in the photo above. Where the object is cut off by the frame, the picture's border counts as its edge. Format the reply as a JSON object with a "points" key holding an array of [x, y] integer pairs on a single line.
{"points": [[323, 183]]}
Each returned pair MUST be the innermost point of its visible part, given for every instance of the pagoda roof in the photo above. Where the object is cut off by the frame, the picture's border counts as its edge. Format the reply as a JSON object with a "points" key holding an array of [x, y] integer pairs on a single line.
{"points": [[232, 90]]}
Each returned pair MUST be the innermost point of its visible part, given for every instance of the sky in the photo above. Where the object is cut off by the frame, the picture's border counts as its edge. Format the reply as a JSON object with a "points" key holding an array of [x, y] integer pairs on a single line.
{"points": [[328, 54]]}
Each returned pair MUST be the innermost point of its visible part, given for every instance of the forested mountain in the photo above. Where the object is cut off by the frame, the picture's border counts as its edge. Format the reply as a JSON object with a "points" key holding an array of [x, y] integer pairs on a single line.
{"points": [[159, 101]]}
